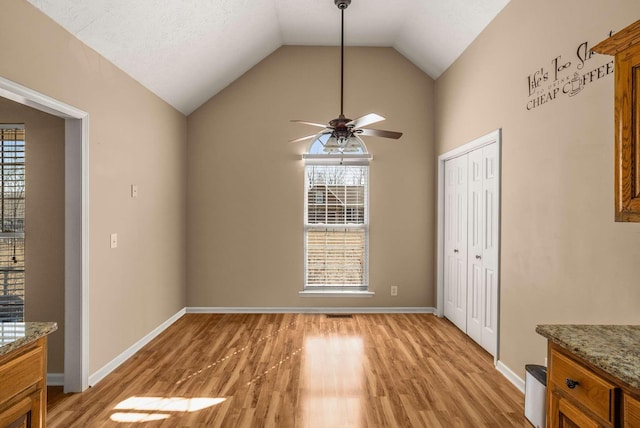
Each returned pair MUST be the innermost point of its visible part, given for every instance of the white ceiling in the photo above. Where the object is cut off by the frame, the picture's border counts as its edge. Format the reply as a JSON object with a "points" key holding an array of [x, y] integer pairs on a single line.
{"points": [[186, 51]]}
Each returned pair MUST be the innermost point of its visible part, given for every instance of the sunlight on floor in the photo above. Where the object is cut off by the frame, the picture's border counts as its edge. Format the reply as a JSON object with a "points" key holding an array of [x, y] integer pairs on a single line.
{"points": [[138, 417], [333, 381], [162, 407]]}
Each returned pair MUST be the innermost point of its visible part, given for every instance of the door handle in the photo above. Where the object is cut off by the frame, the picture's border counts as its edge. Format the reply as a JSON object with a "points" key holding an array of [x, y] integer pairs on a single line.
{"points": [[455, 250], [478, 257]]}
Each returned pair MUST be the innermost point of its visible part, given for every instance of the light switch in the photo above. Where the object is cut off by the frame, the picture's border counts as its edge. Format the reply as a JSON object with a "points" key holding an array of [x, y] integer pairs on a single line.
{"points": [[114, 240], [134, 190]]}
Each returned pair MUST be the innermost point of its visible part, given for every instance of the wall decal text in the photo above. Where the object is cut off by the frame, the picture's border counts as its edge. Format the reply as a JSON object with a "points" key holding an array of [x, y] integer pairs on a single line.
{"points": [[567, 75]]}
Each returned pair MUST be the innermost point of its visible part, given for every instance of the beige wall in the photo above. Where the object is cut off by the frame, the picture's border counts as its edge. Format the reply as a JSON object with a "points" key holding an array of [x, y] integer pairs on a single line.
{"points": [[44, 222], [245, 227], [564, 259], [134, 138]]}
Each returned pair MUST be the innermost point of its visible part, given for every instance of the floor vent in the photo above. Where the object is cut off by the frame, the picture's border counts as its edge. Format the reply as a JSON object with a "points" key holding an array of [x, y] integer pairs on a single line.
{"points": [[339, 316]]}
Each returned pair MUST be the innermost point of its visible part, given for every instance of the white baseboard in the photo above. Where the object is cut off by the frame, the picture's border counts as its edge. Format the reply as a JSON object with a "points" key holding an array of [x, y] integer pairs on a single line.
{"points": [[113, 364], [55, 379], [511, 376], [310, 310]]}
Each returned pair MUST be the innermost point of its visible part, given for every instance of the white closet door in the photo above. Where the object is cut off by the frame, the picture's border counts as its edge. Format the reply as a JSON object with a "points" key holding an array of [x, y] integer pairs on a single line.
{"points": [[482, 299], [475, 272], [471, 247], [455, 242], [490, 256]]}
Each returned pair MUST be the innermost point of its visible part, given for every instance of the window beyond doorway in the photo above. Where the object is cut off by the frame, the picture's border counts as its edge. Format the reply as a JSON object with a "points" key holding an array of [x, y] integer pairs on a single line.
{"points": [[12, 213]]}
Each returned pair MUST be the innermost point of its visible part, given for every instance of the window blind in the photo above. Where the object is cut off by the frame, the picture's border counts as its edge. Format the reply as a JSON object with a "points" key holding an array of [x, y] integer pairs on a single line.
{"points": [[12, 213], [336, 226]]}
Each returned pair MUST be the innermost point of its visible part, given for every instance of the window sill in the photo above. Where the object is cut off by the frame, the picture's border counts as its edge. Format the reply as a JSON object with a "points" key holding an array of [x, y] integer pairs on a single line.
{"points": [[335, 293]]}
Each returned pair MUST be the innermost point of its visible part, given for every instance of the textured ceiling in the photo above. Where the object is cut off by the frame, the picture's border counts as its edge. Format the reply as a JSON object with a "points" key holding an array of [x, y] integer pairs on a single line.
{"points": [[186, 51]]}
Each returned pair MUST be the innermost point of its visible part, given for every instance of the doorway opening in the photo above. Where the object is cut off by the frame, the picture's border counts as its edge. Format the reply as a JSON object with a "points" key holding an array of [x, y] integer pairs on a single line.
{"points": [[76, 348]]}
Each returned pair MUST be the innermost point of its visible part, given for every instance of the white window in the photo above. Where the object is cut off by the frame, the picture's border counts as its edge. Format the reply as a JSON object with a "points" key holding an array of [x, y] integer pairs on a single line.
{"points": [[336, 219]]}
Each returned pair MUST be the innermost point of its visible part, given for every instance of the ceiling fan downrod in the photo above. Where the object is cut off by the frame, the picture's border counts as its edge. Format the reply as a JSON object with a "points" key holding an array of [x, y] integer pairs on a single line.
{"points": [[342, 5]]}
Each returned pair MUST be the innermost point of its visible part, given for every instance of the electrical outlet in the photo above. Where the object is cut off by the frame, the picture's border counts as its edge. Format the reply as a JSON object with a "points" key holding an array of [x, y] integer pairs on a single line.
{"points": [[114, 240], [134, 190], [394, 290]]}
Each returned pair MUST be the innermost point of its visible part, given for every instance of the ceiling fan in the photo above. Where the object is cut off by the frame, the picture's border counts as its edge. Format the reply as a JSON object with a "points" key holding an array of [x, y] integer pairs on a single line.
{"points": [[344, 134]]}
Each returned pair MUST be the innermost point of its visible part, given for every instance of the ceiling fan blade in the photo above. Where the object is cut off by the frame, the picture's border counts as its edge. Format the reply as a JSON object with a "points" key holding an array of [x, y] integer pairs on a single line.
{"points": [[302, 138], [310, 123], [308, 136], [365, 120], [380, 133]]}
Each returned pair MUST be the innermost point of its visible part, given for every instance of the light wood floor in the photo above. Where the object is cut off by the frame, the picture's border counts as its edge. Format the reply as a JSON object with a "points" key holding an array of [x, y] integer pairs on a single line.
{"points": [[300, 370]]}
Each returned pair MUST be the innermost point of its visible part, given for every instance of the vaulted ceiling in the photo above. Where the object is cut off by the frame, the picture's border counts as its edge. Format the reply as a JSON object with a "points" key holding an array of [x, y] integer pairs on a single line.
{"points": [[186, 51]]}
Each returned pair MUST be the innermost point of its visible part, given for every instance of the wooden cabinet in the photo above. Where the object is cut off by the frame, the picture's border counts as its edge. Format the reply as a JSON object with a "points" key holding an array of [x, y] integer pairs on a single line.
{"points": [[579, 395], [625, 45], [583, 387], [23, 395], [631, 414], [569, 416]]}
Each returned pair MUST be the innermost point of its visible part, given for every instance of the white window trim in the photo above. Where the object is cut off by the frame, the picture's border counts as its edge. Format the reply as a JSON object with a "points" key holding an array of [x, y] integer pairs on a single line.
{"points": [[335, 293], [345, 158]]}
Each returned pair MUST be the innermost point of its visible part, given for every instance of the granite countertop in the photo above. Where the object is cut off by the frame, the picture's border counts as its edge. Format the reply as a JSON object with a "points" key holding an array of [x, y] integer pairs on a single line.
{"points": [[613, 348], [13, 335]]}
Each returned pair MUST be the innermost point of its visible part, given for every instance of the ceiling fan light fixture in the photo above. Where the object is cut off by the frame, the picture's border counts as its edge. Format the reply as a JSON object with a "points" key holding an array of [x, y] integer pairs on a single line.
{"points": [[331, 145], [352, 144]]}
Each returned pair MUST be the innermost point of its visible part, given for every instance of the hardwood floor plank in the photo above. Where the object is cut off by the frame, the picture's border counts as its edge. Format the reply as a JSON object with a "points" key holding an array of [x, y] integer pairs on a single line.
{"points": [[300, 370]]}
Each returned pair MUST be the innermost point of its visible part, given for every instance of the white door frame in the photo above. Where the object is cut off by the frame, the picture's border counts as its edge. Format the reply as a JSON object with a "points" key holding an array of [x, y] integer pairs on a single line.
{"points": [[76, 282], [492, 137]]}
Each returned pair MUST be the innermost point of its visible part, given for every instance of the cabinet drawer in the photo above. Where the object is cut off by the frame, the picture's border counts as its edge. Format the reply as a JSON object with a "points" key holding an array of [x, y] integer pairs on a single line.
{"points": [[17, 415], [569, 416], [631, 412], [591, 391], [20, 373]]}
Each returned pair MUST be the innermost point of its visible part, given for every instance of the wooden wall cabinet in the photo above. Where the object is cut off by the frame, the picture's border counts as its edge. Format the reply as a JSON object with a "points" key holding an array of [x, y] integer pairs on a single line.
{"points": [[625, 45]]}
